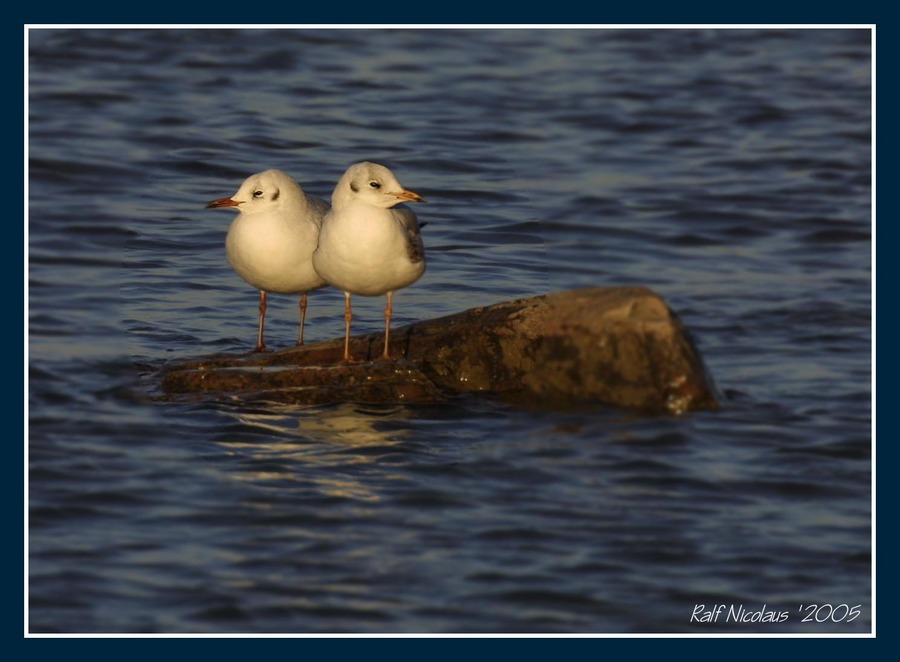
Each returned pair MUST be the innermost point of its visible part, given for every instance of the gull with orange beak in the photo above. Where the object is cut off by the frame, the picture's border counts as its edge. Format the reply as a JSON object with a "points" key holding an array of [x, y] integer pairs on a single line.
{"points": [[271, 242], [367, 245]]}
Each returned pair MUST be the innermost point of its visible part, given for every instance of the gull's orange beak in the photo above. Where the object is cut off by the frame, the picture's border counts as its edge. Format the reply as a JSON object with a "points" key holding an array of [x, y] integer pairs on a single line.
{"points": [[409, 196], [222, 202]]}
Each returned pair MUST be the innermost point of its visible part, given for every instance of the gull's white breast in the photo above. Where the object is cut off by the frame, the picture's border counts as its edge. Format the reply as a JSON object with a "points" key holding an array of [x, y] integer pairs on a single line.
{"points": [[365, 250], [272, 252]]}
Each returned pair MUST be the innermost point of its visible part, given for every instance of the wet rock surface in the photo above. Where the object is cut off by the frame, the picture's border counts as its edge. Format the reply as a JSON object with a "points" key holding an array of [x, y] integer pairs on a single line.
{"points": [[618, 346]]}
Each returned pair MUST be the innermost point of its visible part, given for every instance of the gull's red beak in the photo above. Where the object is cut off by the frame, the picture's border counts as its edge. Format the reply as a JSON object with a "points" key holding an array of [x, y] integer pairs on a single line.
{"points": [[408, 196], [222, 202]]}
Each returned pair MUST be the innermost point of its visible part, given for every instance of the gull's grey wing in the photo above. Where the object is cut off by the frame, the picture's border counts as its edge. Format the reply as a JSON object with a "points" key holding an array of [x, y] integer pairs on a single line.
{"points": [[319, 205], [407, 219]]}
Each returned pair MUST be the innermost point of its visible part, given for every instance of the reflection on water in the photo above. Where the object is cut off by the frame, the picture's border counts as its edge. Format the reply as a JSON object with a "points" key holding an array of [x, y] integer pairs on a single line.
{"points": [[342, 424], [352, 425], [313, 445]]}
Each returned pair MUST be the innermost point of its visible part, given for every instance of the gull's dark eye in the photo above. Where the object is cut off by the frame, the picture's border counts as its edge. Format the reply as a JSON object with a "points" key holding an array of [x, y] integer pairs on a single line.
{"points": [[375, 184], [257, 193]]}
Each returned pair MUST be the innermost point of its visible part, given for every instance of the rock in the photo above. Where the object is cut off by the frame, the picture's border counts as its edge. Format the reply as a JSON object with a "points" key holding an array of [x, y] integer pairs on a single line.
{"points": [[618, 346]]}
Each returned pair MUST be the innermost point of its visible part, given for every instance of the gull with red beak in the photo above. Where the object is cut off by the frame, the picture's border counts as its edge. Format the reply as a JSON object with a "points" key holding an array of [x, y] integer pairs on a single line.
{"points": [[367, 245], [271, 242]]}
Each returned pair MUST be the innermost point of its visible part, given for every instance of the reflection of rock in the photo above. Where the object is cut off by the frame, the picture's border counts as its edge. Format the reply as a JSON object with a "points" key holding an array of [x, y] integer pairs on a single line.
{"points": [[618, 346]]}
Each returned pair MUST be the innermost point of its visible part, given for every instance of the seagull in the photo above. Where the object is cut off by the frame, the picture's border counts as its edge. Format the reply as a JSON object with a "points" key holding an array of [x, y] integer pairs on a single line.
{"points": [[270, 243], [367, 246]]}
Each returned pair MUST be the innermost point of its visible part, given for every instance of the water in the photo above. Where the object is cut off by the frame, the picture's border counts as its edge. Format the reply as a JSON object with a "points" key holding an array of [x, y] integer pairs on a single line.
{"points": [[729, 170]]}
